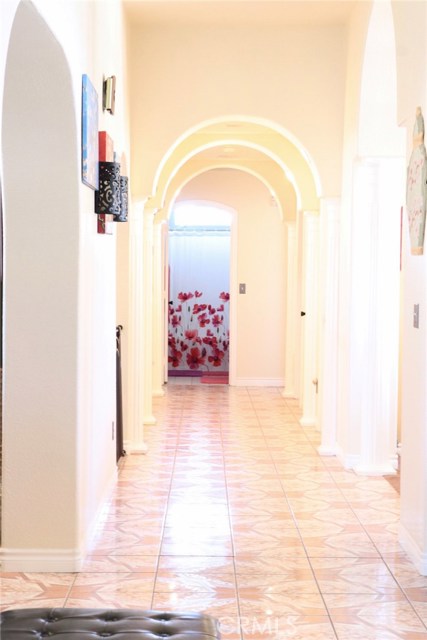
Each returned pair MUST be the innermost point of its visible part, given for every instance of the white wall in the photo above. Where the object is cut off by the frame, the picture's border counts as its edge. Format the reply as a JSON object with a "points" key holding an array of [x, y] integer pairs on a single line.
{"points": [[260, 352], [410, 21], [59, 386], [185, 74]]}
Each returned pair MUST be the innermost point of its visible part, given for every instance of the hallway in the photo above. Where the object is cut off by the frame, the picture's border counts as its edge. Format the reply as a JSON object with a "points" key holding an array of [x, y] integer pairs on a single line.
{"points": [[233, 512]]}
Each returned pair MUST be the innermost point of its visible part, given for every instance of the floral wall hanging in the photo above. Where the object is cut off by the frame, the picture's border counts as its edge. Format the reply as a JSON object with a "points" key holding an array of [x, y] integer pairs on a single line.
{"points": [[416, 188]]}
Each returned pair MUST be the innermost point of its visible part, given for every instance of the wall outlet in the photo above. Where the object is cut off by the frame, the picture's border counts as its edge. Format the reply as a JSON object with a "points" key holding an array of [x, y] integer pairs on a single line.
{"points": [[242, 287]]}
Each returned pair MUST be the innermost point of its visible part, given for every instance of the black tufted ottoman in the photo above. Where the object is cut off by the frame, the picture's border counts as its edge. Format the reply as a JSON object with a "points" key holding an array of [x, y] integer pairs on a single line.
{"points": [[92, 624]]}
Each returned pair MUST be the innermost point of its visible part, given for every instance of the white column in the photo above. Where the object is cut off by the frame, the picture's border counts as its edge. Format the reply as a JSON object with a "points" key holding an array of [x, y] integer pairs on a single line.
{"points": [[148, 316], [292, 312], [413, 475], [134, 434], [158, 303], [328, 325], [309, 322], [375, 291]]}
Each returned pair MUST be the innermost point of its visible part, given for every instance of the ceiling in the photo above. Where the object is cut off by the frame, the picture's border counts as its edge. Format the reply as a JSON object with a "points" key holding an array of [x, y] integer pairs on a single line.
{"points": [[242, 12], [231, 13]]}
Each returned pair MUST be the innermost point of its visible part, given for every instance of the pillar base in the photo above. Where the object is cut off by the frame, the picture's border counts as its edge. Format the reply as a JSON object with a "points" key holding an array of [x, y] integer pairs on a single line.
{"points": [[136, 447], [307, 422], [324, 450], [375, 470], [289, 394]]}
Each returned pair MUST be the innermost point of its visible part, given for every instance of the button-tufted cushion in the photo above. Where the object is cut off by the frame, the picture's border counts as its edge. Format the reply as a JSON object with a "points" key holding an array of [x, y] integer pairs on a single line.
{"points": [[117, 624]]}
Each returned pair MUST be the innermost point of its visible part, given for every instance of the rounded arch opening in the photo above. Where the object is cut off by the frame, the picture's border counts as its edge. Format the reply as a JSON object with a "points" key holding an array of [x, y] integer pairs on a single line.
{"points": [[181, 180], [254, 216], [379, 134], [242, 134], [233, 123], [41, 208]]}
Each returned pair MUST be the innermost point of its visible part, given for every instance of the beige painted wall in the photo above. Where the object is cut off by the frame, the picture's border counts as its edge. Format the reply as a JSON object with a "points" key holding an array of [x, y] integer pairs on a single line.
{"points": [[59, 393], [183, 75], [260, 265]]}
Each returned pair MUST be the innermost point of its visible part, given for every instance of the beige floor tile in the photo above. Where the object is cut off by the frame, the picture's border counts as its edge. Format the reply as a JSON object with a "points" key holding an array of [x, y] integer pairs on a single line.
{"points": [[234, 513]]}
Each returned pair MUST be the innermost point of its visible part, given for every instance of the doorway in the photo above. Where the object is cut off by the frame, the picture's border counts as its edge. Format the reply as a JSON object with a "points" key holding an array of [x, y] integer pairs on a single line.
{"points": [[199, 291]]}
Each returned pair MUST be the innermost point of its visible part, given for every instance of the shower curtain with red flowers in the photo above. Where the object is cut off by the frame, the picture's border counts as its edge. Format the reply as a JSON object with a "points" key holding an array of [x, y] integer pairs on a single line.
{"points": [[199, 302]]}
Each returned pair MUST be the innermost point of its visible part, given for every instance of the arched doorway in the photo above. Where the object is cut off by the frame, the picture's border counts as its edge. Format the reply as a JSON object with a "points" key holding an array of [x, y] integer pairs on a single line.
{"points": [[41, 205]]}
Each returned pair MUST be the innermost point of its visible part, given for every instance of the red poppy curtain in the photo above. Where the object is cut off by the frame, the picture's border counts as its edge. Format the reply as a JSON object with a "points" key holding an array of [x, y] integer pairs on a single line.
{"points": [[199, 302]]}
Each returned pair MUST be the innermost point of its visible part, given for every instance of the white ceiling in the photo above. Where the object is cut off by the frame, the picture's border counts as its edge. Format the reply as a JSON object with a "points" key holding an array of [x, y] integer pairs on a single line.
{"points": [[233, 12]]}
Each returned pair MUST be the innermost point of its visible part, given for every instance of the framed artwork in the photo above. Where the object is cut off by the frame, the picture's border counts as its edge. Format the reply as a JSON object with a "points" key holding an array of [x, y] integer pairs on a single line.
{"points": [[416, 187], [89, 134]]}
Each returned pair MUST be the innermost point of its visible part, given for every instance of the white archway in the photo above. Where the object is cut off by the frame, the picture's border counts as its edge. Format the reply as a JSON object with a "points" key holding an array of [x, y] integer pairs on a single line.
{"points": [[369, 296], [41, 198]]}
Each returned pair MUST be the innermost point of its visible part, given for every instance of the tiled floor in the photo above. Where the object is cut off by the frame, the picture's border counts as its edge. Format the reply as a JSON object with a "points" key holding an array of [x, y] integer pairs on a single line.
{"points": [[233, 512]]}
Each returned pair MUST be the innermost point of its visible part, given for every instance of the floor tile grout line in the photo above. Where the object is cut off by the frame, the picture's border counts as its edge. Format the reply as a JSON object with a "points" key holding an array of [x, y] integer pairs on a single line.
{"points": [[70, 589], [230, 522], [166, 510], [301, 538]]}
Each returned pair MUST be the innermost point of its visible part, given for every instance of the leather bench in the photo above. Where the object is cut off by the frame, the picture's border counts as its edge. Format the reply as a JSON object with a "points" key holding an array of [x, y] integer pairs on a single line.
{"points": [[117, 624]]}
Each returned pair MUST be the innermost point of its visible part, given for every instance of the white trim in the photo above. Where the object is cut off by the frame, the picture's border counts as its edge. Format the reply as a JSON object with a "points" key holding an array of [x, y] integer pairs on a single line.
{"points": [[417, 556], [42, 560], [308, 422], [269, 125], [258, 382], [158, 393], [324, 450], [348, 460], [375, 469], [233, 299], [150, 420], [135, 447], [290, 394]]}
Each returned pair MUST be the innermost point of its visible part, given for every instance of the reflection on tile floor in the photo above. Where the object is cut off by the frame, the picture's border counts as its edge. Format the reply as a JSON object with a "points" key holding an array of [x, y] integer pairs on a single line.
{"points": [[232, 512]]}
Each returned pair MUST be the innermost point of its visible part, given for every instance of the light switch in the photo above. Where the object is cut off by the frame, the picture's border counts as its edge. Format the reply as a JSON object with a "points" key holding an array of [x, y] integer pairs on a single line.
{"points": [[242, 287], [416, 316]]}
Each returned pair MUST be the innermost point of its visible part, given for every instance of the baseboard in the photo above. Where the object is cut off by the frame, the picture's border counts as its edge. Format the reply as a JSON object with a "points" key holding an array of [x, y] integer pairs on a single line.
{"points": [[324, 450], [259, 382], [374, 470], [158, 393], [288, 393], [135, 447], [348, 461], [41, 560], [416, 555], [149, 420], [308, 422]]}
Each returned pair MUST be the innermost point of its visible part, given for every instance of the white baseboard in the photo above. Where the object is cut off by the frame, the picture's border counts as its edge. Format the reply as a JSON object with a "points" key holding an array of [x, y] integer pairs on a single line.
{"points": [[417, 555], [158, 393], [289, 393], [135, 447], [259, 382], [348, 461], [150, 420], [308, 422], [324, 450], [41, 560], [374, 470]]}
